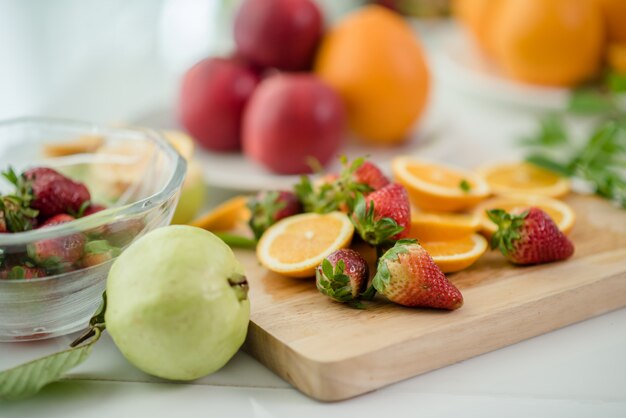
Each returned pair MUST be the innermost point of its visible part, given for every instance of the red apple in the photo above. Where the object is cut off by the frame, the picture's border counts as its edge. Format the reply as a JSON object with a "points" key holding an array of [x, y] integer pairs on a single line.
{"points": [[290, 118], [279, 33], [213, 96]]}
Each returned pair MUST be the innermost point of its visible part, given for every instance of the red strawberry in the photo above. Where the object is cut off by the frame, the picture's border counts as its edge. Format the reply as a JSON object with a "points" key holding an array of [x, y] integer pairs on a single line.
{"points": [[269, 207], [51, 193], [98, 252], [408, 276], [93, 208], [22, 272], [58, 254], [343, 276], [383, 215], [57, 220], [3, 224], [370, 174], [529, 238]]}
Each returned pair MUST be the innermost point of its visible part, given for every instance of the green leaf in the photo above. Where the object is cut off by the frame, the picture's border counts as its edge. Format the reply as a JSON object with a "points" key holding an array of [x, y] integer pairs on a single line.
{"points": [[549, 164], [551, 132], [27, 379], [590, 101], [616, 82], [465, 186], [236, 241]]}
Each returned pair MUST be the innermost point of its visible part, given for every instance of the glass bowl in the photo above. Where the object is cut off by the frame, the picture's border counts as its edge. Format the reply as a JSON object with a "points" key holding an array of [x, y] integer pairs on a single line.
{"points": [[134, 173]]}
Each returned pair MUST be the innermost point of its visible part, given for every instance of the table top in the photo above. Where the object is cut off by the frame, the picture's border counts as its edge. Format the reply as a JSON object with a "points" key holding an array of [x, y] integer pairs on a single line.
{"points": [[577, 371]]}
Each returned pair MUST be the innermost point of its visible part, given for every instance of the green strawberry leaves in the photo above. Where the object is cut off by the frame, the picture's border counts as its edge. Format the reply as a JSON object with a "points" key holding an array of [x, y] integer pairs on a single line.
{"points": [[509, 226], [334, 283], [373, 231], [263, 212], [383, 276], [27, 379]]}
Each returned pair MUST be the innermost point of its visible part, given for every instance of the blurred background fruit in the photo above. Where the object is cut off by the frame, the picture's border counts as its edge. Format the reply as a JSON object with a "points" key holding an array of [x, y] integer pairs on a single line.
{"points": [[554, 42], [475, 16], [213, 96], [278, 33], [614, 12], [374, 60], [290, 119]]}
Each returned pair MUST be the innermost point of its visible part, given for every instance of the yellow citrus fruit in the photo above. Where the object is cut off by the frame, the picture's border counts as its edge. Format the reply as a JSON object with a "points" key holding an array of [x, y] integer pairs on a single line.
{"points": [[550, 42], [296, 245], [457, 254], [373, 59], [524, 178], [561, 213], [614, 12], [226, 216], [616, 56], [428, 226], [439, 187]]}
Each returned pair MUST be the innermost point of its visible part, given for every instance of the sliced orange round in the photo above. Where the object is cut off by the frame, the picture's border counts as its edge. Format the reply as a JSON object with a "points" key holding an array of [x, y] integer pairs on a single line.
{"points": [[439, 187], [524, 178], [226, 216], [562, 214], [296, 245], [458, 254], [428, 226]]}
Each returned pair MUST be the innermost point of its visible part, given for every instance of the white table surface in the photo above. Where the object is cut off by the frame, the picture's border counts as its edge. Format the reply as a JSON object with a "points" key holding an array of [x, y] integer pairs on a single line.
{"points": [[577, 371]]}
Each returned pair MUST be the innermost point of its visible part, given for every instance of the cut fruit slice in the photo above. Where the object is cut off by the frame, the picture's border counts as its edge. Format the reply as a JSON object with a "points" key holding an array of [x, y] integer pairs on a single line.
{"points": [[524, 178], [428, 226], [296, 245], [439, 187], [458, 254], [82, 144], [562, 214], [226, 216]]}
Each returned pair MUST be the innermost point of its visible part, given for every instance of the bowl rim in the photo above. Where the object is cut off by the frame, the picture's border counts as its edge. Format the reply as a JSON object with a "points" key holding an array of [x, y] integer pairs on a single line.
{"points": [[172, 185]]}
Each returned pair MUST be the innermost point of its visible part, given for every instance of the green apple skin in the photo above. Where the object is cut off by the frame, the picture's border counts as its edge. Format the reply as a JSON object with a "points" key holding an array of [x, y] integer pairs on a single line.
{"points": [[192, 196], [171, 310]]}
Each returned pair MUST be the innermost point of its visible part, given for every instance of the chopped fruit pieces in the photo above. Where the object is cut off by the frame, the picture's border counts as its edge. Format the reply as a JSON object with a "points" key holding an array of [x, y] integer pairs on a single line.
{"points": [[562, 214], [457, 254], [428, 226], [50, 192], [407, 275], [529, 238], [295, 246], [80, 145], [225, 216], [437, 187], [524, 178]]}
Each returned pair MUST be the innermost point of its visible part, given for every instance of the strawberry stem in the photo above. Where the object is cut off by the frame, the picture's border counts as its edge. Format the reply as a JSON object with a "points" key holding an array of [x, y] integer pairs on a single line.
{"points": [[508, 229]]}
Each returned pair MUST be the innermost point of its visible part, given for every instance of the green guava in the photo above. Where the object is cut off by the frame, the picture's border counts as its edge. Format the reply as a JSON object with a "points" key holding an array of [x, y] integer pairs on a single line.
{"points": [[177, 304], [192, 195]]}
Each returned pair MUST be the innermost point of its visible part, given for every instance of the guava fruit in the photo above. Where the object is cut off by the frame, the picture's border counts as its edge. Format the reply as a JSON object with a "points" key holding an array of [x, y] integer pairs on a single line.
{"points": [[177, 303]]}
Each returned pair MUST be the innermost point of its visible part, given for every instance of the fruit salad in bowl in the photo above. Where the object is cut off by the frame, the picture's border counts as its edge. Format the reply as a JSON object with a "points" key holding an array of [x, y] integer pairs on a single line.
{"points": [[73, 196]]}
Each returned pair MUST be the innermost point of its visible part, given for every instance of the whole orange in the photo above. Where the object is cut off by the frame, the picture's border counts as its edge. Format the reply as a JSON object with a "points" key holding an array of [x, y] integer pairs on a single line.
{"points": [[376, 63], [615, 18], [476, 16], [552, 42]]}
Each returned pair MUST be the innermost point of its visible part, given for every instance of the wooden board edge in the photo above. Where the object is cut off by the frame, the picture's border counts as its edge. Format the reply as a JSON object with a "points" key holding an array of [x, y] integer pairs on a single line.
{"points": [[344, 379]]}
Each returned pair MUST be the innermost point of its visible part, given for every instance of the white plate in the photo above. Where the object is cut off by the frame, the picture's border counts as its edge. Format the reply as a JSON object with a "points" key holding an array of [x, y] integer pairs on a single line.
{"points": [[462, 65]]}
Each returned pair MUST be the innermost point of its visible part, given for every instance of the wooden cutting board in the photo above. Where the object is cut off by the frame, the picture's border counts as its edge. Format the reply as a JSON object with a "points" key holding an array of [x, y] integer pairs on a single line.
{"points": [[332, 352]]}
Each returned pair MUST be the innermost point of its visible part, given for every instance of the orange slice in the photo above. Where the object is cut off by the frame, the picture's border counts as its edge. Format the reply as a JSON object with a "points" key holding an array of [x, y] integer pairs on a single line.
{"points": [[226, 216], [296, 245], [82, 144], [458, 254], [524, 178], [562, 214], [439, 187], [427, 226]]}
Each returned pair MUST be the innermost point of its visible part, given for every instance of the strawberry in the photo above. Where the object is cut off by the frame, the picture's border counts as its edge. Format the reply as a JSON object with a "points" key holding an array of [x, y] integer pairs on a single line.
{"points": [[368, 173], [61, 218], [58, 254], [529, 238], [51, 193], [383, 215], [408, 276], [3, 224], [98, 252], [121, 233], [22, 272], [93, 208], [15, 215], [343, 276], [269, 207]]}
